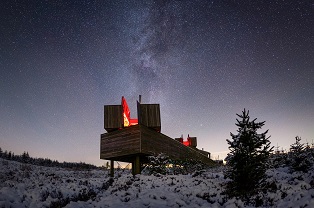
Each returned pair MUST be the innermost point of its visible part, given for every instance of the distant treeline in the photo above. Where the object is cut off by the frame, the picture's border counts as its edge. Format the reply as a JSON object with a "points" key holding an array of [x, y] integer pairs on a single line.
{"points": [[25, 158]]}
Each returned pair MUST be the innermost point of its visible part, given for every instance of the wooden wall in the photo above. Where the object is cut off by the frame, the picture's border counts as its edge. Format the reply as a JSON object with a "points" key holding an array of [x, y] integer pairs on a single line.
{"points": [[125, 144], [149, 115], [113, 117], [120, 143], [153, 143], [204, 153], [193, 141]]}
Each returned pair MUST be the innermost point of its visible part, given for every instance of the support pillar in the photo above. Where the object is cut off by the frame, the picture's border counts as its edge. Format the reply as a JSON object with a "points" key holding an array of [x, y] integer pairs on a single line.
{"points": [[136, 165], [111, 168]]}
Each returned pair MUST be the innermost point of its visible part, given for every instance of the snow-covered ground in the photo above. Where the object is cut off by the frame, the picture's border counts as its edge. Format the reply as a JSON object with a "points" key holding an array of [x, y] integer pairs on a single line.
{"points": [[23, 185]]}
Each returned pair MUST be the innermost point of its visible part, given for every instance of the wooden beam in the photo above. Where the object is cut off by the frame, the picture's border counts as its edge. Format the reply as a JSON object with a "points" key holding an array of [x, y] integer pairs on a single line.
{"points": [[137, 165], [111, 168]]}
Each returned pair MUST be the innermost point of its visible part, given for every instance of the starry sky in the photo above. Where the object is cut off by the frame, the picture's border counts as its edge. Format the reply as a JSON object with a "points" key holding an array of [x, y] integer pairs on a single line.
{"points": [[203, 61]]}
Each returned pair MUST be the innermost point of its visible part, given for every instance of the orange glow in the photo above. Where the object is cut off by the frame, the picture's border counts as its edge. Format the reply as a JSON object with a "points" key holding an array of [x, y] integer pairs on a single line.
{"points": [[127, 121]]}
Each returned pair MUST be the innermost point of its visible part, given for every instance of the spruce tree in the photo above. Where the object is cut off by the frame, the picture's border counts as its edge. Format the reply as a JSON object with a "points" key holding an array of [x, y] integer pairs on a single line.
{"points": [[300, 157], [248, 157]]}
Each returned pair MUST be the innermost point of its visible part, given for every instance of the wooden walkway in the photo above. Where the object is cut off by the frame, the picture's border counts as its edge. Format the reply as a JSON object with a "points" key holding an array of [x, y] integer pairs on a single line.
{"points": [[133, 144]]}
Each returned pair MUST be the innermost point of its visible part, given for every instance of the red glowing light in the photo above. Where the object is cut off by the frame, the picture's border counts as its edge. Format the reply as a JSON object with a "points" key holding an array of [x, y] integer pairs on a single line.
{"points": [[133, 121], [127, 121], [187, 142]]}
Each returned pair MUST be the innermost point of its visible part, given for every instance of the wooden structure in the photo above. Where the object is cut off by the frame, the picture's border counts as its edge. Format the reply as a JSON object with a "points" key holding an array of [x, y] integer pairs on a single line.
{"points": [[191, 141], [135, 142], [113, 118], [149, 115]]}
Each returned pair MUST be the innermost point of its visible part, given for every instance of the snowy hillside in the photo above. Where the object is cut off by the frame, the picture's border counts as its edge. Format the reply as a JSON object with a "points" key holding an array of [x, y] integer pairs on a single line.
{"points": [[23, 185]]}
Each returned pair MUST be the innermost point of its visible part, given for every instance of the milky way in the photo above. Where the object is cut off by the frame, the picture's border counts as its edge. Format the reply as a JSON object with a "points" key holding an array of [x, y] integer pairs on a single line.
{"points": [[203, 61]]}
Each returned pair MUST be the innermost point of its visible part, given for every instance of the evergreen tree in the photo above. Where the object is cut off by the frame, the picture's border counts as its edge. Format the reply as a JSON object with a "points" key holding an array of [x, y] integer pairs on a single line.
{"points": [[300, 157], [10, 155], [247, 160], [25, 157], [5, 154]]}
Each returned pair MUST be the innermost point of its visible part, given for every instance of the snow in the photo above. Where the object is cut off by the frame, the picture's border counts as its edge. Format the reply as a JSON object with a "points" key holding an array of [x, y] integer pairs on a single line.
{"points": [[24, 185]]}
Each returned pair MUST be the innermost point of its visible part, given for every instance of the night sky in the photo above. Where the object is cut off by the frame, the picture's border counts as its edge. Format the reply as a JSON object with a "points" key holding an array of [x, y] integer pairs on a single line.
{"points": [[203, 61]]}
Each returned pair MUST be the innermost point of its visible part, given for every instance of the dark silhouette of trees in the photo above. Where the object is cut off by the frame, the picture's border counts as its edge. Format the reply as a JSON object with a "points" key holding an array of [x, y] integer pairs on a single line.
{"points": [[300, 157], [25, 158], [248, 157]]}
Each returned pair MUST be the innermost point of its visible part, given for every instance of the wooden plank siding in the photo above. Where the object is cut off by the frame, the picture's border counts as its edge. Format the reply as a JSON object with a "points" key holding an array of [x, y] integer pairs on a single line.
{"points": [[154, 143], [149, 115], [125, 144], [113, 117], [120, 143]]}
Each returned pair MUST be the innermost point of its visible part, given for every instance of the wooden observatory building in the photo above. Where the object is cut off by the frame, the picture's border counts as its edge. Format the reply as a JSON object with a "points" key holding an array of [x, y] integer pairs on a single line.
{"points": [[132, 140]]}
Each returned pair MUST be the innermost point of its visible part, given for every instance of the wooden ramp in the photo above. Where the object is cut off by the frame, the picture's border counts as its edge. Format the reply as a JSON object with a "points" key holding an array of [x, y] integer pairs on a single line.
{"points": [[133, 144]]}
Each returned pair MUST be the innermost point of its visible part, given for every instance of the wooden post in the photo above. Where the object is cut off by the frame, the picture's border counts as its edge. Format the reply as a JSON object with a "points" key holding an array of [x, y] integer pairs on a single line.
{"points": [[111, 168], [137, 165]]}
